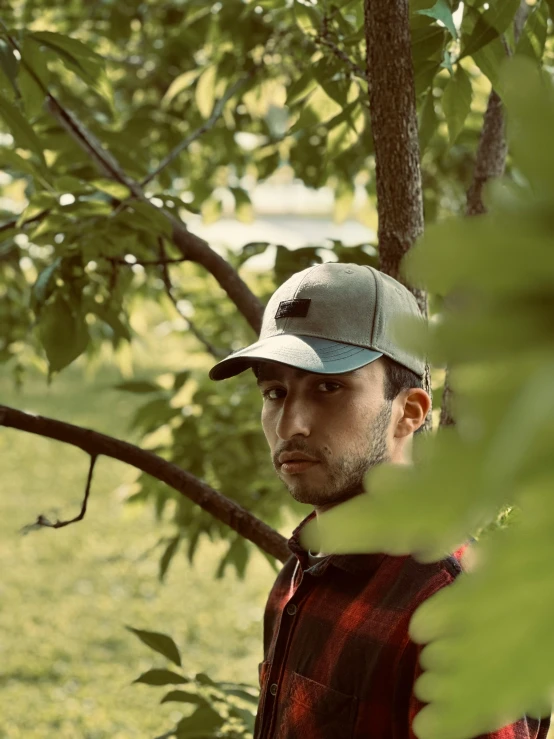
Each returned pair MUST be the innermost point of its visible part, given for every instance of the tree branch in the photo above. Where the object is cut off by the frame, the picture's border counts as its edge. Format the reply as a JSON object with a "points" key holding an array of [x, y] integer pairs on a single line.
{"points": [[121, 261], [356, 70], [13, 223], [96, 444], [208, 123], [43, 521], [214, 351], [192, 247], [490, 160]]}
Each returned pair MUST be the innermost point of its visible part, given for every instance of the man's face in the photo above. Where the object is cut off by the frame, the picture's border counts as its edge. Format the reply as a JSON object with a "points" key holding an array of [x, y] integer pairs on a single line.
{"points": [[338, 423]]}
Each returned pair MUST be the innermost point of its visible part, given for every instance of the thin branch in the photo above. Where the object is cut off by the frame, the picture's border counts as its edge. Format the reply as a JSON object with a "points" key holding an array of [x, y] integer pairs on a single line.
{"points": [[446, 414], [168, 285], [96, 444], [13, 223], [356, 70], [143, 262], [43, 521], [208, 123]]}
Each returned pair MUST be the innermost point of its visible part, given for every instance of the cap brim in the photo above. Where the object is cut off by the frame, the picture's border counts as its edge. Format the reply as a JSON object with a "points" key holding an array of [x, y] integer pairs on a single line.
{"points": [[303, 352]]}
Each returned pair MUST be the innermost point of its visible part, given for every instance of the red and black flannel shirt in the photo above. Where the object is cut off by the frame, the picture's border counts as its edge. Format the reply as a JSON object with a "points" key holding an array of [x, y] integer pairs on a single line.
{"points": [[338, 661]]}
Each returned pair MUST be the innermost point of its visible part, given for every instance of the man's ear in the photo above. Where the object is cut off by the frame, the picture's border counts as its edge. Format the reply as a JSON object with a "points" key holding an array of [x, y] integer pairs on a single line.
{"points": [[415, 406]]}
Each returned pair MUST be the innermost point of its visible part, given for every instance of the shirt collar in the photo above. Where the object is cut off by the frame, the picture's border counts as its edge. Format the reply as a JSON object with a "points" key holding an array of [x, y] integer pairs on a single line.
{"points": [[367, 563]]}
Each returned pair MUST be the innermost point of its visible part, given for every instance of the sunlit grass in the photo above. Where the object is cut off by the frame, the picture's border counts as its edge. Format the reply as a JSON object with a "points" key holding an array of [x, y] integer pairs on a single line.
{"points": [[66, 660]]}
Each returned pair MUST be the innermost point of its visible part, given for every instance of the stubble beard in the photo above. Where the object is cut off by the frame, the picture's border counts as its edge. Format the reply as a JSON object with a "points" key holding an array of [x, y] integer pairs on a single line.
{"points": [[345, 476]]}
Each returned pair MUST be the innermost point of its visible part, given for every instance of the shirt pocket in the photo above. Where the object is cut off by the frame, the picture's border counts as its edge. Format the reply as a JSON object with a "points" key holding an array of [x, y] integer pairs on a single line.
{"points": [[310, 710]]}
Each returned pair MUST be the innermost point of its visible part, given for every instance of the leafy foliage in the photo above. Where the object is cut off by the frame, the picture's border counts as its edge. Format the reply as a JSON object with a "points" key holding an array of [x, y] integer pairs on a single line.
{"points": [[220, 709], [496, 335], [290, 77]]}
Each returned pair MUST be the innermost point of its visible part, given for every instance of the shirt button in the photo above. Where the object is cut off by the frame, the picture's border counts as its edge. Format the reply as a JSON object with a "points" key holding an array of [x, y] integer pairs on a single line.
{"points": [[291, 609], [273, 689]]}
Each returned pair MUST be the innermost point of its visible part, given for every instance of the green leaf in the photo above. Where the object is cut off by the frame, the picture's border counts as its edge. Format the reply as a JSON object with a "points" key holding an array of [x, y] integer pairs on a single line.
{"points": [[161, 677], [151, 218], [9, 158], [44, 283], [179, 379], [168, 555], [489, 25], [237, 555], [533, 37], [153, 415], [182, 696], [110, 187], [489, 59], [442, 12], [63, 333], [456, 102], [428, 121], [110, 316], [9, 64], [23, 134], [307, 16], [182, 82], [301, 87], [83, 61], [204, 679], [205, 91], [203, 723], [160, 643], [33, 92], [250, 250], [484, 620], [138, 386]]}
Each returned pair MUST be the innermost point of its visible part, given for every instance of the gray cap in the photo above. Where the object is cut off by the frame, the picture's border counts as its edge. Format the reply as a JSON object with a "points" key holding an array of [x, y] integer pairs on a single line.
{"points": [[330, 319]]}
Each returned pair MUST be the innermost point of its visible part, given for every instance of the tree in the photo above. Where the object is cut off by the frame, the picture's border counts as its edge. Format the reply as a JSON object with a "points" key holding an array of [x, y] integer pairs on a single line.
{"points": [[343, 94]]}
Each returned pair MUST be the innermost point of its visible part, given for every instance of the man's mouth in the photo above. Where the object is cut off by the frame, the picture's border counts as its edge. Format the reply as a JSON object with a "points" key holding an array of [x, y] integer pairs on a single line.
{"points": [[292, 463], [295, 468]]}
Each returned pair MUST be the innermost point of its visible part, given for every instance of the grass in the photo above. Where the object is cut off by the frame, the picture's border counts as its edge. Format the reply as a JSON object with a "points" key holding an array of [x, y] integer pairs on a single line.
{"points": [[66, 660]]}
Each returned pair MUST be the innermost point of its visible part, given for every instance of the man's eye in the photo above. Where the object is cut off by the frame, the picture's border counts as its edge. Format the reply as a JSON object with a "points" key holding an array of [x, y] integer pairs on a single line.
{"points": [[273, 393], [329, 387]]}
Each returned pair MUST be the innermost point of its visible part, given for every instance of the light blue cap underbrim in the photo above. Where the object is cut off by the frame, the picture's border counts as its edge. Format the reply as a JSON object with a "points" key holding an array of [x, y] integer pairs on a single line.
{"points": [[307, 353]]}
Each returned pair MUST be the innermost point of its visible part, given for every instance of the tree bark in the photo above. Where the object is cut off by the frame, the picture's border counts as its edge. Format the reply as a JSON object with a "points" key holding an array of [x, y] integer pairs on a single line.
{"points": [[395, 134], [490, 161], [394, 128], [95, 444]]}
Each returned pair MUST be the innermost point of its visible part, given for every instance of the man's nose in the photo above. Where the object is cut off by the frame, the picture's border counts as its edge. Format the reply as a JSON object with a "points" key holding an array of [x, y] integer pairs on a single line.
{"points": [[294, 419]]}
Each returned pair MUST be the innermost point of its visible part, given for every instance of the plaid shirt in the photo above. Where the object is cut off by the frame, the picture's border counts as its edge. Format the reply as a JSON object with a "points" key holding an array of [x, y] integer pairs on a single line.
{"points": [[338, 661]]}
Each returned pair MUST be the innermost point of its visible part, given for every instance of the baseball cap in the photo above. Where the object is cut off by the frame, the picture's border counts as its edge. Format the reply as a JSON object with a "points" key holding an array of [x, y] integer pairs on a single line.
{"points": [[330, 319]]}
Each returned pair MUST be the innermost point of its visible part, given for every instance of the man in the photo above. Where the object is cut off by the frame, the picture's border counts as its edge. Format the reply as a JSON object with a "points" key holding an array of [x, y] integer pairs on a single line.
{"points": [[339, 397]]}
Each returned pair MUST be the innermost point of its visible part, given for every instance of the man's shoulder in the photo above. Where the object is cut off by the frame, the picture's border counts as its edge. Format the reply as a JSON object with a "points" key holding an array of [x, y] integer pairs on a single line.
{"points": [[407, 582]]}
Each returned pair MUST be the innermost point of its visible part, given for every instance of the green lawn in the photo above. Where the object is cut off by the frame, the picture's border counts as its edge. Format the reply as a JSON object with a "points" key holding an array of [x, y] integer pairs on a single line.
{"points": [[66, 660]]}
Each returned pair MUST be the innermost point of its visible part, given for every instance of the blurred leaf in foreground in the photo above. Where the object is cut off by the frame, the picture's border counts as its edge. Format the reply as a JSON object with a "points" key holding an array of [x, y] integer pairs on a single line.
{"points": [[491, 654]]}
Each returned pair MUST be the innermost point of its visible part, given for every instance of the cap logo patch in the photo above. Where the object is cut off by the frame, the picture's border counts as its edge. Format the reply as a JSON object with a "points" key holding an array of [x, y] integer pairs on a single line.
{"points": [[293, 308]]}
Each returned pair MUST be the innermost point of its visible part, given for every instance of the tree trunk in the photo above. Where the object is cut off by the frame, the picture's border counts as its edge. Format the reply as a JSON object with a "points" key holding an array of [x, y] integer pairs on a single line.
{"points": [[395, 136]]}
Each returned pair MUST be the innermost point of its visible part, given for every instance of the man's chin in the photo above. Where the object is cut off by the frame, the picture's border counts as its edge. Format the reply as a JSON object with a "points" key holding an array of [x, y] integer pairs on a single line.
{"points": [[320, 498]]}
